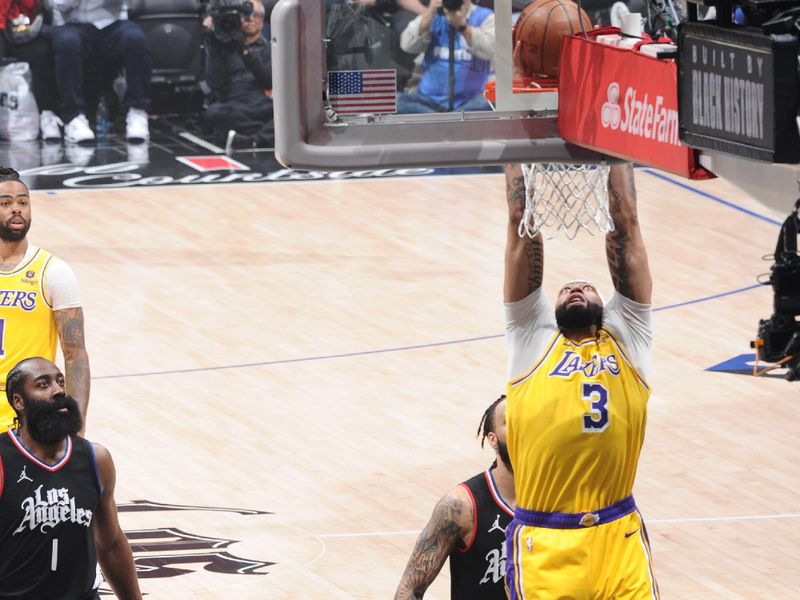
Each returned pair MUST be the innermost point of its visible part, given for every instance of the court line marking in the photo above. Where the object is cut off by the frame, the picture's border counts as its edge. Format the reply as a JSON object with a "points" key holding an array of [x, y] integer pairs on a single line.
{"points": [[646, 520], [712, 197], [284, 361], [201, 142], [712, 297]]}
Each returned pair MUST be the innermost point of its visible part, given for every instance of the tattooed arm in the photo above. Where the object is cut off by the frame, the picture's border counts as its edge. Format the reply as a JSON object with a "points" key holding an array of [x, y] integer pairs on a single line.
{"points": [[627, 257], [524, 256], [69, 323], [450, 527], [113, 550]]}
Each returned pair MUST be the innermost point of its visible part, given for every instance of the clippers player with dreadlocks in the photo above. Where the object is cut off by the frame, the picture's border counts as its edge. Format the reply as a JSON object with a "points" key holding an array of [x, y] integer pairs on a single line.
{"points": [[577, 408], [468, 525]]}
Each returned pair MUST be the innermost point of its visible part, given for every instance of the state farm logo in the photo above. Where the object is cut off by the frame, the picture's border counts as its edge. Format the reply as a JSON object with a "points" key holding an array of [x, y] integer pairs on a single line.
{"points": [[639, 115], [610, 114]]}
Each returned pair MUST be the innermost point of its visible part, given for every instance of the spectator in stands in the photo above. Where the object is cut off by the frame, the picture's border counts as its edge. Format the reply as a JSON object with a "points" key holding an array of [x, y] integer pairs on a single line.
{"points": [[239, 73], [472, 30], [27, 39], [414, 6], [365, 34], [97, 33]]}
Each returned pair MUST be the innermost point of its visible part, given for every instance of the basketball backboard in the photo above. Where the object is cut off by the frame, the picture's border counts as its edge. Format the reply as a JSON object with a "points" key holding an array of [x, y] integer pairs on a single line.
{"points": [[324, 49]]}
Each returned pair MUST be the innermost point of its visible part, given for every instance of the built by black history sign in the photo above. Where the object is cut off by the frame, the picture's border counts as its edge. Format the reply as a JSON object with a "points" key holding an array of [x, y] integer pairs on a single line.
{"points": [[738, 91]]}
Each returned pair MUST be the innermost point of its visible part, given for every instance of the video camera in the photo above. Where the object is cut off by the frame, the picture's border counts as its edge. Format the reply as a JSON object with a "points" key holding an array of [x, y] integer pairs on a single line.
{"points": [[226, 15], [779, 336]]}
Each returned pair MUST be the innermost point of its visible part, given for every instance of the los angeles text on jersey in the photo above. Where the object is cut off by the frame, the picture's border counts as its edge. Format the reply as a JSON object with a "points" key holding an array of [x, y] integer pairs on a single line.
{"points": [[46, 510], [571, 363], [18, 299]]}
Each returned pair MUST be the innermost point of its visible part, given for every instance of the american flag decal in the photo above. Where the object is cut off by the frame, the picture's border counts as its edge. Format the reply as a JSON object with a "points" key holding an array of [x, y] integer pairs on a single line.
{"points": [[357, 92]]}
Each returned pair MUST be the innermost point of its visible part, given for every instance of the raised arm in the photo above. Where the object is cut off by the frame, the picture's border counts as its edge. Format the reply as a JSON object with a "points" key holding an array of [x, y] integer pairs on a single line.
{"points": [[417, 34], [627, 256], [69, 323], [113, 551], [450, 526], [524, 256]]}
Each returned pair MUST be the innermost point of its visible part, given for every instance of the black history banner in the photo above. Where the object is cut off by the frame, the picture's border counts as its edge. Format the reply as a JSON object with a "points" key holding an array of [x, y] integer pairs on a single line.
{"points": [[738, 91]]}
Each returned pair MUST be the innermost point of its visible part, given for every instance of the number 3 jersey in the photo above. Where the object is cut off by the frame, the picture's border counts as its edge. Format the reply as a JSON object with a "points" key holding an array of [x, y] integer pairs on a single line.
{"points": [[576, 415], [47, 549]]}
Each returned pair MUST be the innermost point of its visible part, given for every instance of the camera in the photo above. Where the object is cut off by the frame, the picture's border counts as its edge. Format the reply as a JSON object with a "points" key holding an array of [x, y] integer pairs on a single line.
{"points": [[779, 336], [226, 15]]}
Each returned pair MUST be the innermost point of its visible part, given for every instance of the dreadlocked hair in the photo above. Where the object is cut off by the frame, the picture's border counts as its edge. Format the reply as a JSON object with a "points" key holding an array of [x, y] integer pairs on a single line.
{"points": [[487, 420]]}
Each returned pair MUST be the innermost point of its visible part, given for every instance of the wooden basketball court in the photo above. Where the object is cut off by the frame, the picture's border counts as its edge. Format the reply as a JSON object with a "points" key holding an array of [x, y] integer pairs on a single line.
{"points": [[320, 354]]}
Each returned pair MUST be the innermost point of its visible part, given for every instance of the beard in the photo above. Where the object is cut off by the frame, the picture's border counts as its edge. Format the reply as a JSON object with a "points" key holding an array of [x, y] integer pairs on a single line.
{"points": [[502, 452], [578, 317], [13, 235], [46, 424]]}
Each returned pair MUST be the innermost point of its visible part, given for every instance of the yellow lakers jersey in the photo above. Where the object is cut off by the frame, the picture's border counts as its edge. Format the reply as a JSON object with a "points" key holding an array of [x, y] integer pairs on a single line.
{"points": [[27, 324], [575, 426]]}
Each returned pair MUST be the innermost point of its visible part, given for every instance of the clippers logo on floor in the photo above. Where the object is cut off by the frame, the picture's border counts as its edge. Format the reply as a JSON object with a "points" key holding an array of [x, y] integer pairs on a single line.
{"points": [[204, 164], [170, 551]]}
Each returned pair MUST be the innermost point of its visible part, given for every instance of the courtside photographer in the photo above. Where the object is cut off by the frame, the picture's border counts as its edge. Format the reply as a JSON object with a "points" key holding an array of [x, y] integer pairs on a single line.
{"points": [[457, 39], [239, 75]]}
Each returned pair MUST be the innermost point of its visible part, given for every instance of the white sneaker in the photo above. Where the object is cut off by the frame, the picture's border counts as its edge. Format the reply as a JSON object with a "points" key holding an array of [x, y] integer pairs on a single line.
{"points": [[138, 153], [80, 156], [50, 126], [78, 130], [137, 127], [52, 154]]}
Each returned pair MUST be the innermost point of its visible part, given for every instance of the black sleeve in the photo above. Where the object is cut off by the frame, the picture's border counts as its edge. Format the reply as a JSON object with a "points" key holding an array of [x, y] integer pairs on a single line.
{"points": [[258, 61], [216, 72], [387, 6]]}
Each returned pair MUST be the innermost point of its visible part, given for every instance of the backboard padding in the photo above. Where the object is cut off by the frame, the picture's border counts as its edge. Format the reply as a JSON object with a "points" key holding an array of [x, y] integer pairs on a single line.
{"points": [[305, 140]]}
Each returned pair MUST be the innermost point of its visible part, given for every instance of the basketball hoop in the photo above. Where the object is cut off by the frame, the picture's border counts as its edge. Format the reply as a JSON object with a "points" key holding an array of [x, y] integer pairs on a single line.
{"points": [[565, 198], [560, 197]]}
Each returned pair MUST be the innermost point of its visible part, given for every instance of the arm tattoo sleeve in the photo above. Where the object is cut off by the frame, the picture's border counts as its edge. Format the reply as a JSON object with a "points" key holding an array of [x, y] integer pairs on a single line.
{"points": [[70, 328], [437, 540], [621, 203], [534, 249], [69, 323], [515, 193]]}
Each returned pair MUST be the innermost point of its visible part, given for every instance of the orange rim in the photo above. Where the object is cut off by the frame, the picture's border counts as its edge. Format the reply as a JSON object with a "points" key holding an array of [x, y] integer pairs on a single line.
{"points": [[524, 85]]}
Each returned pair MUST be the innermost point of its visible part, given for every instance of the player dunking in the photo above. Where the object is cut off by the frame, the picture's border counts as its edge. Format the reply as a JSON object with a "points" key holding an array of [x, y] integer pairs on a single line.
{"points": [[468, 525], [577, 407]]}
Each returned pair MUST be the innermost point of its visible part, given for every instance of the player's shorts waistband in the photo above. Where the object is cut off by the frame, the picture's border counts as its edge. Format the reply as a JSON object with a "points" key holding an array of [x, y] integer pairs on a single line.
{"points": [[555, 520]]}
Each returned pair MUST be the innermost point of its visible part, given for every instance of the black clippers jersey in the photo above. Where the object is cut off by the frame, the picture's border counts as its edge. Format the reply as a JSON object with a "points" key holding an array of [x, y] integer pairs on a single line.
{"points": [[477, 572], [47, 549]]}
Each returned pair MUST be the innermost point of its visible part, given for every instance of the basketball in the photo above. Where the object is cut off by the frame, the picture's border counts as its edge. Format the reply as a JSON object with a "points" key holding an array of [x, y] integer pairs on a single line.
{"points": [[539, 29]]}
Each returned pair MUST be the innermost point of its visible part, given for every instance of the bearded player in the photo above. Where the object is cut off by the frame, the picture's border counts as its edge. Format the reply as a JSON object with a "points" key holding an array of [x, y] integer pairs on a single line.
{"points": [[58, 517], [576, 413]]}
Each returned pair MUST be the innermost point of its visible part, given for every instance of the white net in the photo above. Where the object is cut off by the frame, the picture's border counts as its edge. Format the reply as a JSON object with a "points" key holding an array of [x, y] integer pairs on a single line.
{"points": [[565, 198]]}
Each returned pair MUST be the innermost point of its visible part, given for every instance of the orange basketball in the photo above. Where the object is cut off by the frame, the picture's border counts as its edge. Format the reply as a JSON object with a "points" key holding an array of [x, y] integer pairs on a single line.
{"points": [[539, 29]]}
